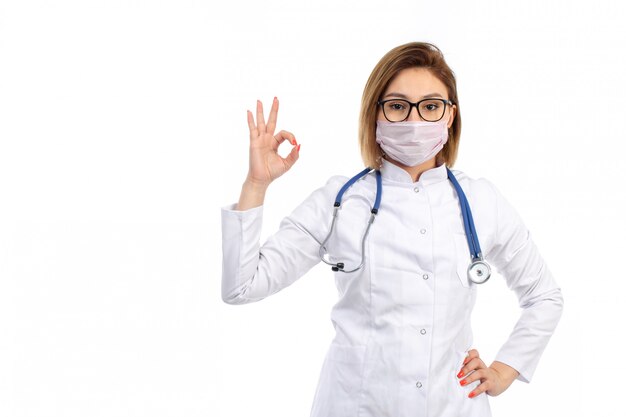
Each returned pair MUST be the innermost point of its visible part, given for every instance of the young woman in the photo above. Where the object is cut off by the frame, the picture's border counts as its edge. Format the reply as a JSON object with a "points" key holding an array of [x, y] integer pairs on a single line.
{"points": [[409, 241]]}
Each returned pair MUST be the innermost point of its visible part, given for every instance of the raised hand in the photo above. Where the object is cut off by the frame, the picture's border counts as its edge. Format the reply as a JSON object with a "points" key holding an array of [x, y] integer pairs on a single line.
{"points": [[265, 163]]}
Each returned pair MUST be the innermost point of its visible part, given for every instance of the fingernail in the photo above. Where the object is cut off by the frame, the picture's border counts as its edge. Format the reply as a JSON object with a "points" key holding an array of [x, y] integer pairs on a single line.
{"points": [[299, 148], [274, 97], [463, 382], [471, 394], [460, 374], [465, 361]]}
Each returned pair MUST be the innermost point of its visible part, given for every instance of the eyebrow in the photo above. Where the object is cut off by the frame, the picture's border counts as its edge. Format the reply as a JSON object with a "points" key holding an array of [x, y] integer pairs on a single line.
{"points": [[403, 96]]}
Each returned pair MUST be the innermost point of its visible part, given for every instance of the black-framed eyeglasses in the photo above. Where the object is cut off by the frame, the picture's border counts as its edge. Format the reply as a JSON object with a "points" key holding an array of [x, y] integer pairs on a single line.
{"points": [[429, 109]]}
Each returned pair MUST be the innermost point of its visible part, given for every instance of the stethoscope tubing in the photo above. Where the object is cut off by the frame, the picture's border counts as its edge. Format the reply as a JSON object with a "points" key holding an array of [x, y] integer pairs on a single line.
{"points": [[337, 206], [477, 266], [468, 219]]}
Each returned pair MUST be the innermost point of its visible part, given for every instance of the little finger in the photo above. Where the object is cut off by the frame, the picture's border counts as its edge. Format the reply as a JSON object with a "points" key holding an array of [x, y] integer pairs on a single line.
{"points": [[480, 389], [253, 130]]}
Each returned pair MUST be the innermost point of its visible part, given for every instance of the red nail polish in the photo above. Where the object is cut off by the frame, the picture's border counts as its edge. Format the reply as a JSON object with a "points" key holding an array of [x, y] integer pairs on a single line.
{"points": [[299, 147], [471, 394], [460, 374], [463, 382]]}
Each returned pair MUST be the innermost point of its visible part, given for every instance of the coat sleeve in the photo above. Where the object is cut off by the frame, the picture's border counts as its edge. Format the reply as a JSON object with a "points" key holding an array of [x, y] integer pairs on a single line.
{"points": [[517, 258], [251, 272]]}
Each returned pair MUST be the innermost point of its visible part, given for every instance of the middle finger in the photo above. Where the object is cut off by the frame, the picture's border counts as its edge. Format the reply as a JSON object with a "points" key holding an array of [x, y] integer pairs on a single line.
{"points": [[474, 376]]}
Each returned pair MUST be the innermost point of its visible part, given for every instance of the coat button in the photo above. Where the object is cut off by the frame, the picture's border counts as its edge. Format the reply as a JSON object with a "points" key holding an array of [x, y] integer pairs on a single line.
{"points": [[425, 276], [423, 331], [418, 384], [422, 231], [416, 189]]}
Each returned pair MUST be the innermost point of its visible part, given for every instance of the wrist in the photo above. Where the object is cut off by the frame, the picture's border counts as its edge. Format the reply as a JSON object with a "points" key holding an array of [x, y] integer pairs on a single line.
{"points": [[255, 186], [506, 372], [252, 195]]}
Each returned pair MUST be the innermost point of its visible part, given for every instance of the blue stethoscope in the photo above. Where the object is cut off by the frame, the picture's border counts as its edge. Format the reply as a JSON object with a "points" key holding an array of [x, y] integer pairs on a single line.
{"points": [[478, 270]]}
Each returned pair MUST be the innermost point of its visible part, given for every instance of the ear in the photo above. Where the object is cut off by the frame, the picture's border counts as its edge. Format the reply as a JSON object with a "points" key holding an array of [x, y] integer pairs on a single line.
{"points": [[452, 115]]}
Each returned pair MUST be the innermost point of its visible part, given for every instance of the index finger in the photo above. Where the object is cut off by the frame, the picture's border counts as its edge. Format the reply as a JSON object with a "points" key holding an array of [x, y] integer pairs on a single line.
{"points": [[473, 353]]}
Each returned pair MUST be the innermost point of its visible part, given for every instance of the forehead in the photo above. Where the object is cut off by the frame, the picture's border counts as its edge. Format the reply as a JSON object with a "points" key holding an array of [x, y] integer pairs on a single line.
{"points": [[416, 82]]}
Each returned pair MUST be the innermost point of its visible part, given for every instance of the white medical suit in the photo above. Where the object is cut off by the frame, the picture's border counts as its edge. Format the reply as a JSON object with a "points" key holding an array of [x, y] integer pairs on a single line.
{"points": [[403, 320]]}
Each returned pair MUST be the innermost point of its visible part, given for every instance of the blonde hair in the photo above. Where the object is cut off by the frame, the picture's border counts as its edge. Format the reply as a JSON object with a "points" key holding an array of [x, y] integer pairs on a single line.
{"points": [[412, 54]]}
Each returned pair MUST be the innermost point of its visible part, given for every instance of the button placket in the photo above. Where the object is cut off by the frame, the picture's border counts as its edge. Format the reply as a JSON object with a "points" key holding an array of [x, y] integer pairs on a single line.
{"points": [[425, 276]]}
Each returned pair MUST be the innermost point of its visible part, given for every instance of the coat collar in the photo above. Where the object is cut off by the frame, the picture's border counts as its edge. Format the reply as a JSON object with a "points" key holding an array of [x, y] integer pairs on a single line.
{"points": [[392, 172]]}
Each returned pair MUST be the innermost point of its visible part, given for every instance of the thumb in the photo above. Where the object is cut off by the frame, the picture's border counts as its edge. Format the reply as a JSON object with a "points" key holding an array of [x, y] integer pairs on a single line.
{"points": [[292, 157]]}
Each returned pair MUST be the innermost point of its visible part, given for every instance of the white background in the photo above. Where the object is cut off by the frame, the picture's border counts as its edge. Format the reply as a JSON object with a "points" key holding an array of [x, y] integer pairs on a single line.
{"points": [[123, 131]]}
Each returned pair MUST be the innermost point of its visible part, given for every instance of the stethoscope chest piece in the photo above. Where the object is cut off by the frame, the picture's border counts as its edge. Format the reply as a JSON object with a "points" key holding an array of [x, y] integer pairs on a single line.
{"points": [[478, 271]]}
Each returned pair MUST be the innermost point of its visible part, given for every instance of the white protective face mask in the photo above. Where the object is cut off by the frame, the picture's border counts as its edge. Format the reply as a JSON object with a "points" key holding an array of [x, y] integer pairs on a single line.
{"points": [[411, 143]]}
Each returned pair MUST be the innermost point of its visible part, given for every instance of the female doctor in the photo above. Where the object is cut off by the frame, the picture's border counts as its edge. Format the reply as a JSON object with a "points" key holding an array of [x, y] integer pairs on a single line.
{"points": [[409, 242]]}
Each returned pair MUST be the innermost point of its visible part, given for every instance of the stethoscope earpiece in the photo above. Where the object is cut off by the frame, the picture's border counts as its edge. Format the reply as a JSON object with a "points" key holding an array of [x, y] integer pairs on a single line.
{"points": [[338, 267]]}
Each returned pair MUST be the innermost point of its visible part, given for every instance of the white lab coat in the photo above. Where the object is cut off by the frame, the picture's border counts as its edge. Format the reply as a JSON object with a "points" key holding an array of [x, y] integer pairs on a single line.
{"points": [[402, 321]]}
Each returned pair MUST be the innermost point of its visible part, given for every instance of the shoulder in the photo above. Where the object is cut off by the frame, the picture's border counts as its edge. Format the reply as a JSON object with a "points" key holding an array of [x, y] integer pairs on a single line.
{"points": [[337, 181], [333, 184], [478, 187], [324, 195], [484, 192], [312, 212], [485, 195], [328, 192]]}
